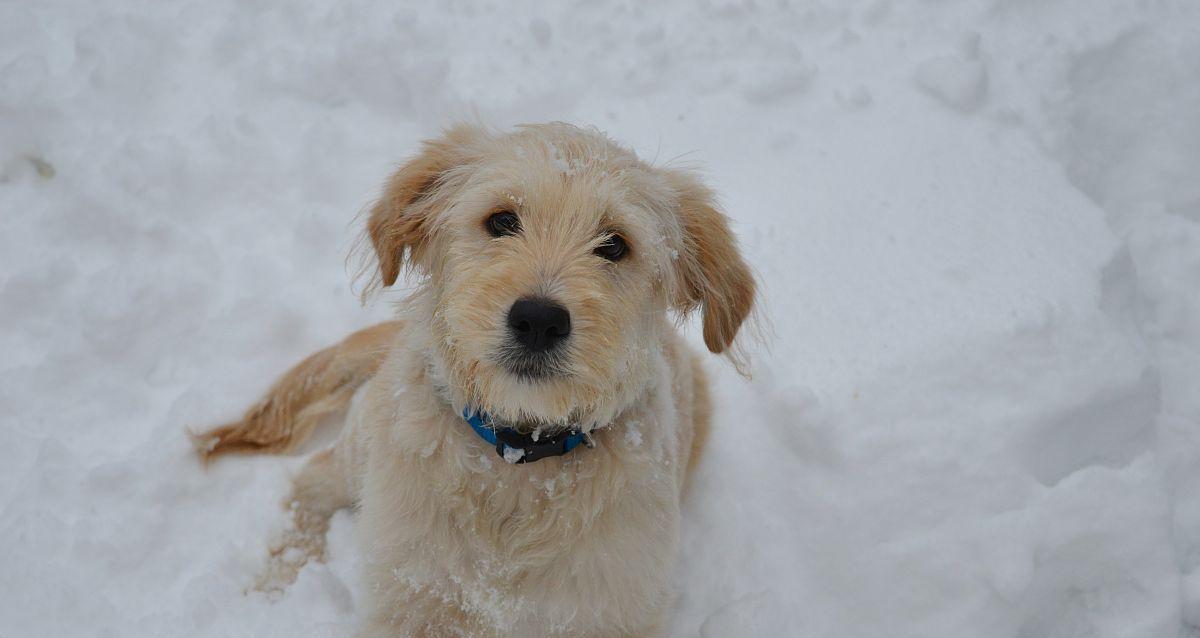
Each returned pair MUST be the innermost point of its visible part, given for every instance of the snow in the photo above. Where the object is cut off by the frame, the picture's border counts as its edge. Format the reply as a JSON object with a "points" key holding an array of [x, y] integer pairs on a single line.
{"points": [[633, 434], [959, 81], [977, 226], [513, 455]]}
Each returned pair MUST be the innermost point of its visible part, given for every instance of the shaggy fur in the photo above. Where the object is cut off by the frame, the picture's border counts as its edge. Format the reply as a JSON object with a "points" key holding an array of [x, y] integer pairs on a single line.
{"points": [[456, 541]]}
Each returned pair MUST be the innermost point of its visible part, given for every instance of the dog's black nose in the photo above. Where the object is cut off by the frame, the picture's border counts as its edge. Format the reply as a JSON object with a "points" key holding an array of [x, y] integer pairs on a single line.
{"points": [[538, 324]]}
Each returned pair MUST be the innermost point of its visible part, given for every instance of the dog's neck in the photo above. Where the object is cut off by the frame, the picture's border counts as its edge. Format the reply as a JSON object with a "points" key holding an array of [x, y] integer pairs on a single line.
{"points": [[457, 401], [535, 427]]}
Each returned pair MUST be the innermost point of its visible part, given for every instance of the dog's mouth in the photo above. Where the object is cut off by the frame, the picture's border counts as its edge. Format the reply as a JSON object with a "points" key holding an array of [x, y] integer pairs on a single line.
{"points": [[532, 368]]}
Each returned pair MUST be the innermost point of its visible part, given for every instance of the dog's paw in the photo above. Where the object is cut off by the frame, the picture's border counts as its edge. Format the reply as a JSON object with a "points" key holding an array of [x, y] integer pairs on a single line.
{"points": [[288, 555]]}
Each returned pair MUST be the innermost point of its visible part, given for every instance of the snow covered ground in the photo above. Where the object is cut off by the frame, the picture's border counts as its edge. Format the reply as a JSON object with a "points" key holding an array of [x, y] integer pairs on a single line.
{"points": [[977, 225]]}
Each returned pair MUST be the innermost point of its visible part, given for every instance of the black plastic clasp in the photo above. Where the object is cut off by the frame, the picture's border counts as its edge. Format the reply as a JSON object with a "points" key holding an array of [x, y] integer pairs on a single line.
{"points": [[533, 450]]}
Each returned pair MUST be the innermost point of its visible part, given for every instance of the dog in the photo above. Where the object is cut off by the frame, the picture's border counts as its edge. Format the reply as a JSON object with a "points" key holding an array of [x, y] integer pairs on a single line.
{"points": [[518, 440]]}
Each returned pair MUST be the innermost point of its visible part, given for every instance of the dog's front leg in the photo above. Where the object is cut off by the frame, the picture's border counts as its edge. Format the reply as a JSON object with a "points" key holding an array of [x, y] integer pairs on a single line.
{"points": [[435, 619], [318, 492]]}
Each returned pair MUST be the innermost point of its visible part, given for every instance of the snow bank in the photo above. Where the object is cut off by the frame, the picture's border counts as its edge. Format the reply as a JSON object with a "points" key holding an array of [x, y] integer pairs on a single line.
{"points": [[977, 225]]}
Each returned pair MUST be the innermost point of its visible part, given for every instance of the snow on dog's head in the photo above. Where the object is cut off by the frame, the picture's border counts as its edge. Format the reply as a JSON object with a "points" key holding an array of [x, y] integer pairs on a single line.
{"points": [[548, 260]]}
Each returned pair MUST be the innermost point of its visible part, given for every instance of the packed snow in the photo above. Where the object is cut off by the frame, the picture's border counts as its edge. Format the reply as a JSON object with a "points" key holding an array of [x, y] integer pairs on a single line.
{"points": [[977, 226]]}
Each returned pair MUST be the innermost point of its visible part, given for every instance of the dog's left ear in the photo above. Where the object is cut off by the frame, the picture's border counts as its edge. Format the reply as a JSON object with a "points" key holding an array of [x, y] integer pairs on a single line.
{"points": [[712, 274], [399, 225]]}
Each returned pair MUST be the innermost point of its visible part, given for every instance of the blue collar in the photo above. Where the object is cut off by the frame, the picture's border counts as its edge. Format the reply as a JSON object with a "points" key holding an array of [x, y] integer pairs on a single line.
{"points": [[517, 447]]}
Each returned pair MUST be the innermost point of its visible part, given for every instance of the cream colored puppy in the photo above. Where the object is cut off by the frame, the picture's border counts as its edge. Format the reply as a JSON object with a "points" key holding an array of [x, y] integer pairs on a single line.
{"points": [[518, 441]]}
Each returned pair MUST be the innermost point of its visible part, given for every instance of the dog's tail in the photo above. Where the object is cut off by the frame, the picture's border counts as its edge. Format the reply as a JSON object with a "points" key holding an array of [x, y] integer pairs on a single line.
{"points": [[315, 388]]}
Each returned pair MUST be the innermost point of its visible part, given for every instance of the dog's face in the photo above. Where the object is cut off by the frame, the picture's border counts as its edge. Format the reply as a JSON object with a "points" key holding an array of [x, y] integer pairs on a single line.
{"points": [[550, 258]]}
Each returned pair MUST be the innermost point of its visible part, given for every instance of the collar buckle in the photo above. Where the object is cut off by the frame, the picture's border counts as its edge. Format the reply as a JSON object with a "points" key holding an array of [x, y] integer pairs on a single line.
{"points": [[530, 450]]}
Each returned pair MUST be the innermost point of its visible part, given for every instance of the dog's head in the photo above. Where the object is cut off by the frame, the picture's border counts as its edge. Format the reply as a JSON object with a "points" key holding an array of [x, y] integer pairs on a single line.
{"points": [[549, 258]]}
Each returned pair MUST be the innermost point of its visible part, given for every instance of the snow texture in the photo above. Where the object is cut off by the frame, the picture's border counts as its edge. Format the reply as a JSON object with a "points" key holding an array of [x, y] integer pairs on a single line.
{"points": [[977, 226]]}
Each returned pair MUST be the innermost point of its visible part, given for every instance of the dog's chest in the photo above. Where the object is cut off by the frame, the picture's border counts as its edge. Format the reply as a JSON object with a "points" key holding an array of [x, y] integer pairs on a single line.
{"points": [[571, 544], [565, 540]]}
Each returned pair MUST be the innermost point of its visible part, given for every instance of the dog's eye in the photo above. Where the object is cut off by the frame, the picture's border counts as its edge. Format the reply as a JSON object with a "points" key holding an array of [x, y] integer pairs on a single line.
{"points": [[503, 223], [613, 249]]}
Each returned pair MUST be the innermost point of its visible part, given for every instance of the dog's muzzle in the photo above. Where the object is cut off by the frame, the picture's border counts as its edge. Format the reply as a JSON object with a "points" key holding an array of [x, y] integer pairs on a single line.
{"points": [[538, 328]]}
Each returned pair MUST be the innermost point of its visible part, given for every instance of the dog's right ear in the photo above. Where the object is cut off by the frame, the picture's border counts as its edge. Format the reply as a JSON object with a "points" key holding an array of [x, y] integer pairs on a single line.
{"points": [[399, 225]]}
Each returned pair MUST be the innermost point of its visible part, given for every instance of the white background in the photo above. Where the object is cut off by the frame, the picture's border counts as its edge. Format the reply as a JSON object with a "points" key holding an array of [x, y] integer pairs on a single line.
{"points": [[977, 225]]}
